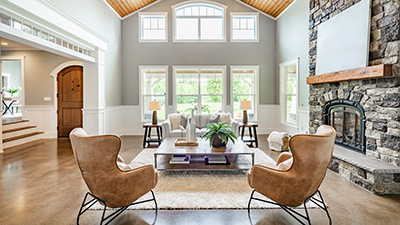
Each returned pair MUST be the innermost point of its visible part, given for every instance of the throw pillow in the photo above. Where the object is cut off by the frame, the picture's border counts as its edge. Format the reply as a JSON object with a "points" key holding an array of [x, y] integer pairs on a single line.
{"points": [[175, 120], [201, 120], [213, 119], [224, 117], [184, 120], [285, 165]]}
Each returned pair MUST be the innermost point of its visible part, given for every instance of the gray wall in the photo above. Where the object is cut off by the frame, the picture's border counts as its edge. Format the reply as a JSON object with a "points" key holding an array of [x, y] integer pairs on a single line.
{"points": [[38, 82], [292, 42], [227, 53], [97, 15]]}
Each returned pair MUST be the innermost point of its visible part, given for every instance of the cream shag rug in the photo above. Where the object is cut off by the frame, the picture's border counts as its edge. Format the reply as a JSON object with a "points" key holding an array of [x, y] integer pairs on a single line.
{"points": [[202, 190]]}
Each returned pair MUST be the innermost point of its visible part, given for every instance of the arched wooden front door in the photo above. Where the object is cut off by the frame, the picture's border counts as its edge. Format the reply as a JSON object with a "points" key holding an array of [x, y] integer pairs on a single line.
{"points": [[70, 99]]}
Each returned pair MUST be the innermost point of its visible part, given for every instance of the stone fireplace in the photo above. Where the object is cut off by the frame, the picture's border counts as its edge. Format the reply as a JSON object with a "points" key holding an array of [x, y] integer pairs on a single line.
{"points": [[365, 111]]}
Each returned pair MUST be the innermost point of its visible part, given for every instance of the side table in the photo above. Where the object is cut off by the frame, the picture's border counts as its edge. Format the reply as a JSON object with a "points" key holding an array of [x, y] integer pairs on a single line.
{"points": [[252, 139], [147, 134]]}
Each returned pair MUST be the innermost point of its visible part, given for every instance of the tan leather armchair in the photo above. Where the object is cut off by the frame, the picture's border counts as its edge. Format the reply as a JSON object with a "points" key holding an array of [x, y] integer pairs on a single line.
{"points": [[296, 177], [110, 181]]}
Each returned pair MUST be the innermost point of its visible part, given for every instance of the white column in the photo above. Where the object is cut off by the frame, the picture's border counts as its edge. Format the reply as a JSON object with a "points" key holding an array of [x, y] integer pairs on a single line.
{"points": [[94, 94]]}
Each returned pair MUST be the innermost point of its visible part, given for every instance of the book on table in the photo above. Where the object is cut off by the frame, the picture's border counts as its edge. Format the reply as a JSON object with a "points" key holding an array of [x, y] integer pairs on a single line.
{"points": [[216, 160], [180, 159]]}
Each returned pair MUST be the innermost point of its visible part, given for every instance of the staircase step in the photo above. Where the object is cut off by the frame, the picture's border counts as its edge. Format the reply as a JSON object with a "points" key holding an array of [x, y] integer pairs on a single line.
{"points": [[22, 136], [14, 122], [17, 129]]}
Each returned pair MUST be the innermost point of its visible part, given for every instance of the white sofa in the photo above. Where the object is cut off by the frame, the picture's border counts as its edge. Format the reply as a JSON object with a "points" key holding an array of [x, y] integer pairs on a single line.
{"points": [[181, 132]]}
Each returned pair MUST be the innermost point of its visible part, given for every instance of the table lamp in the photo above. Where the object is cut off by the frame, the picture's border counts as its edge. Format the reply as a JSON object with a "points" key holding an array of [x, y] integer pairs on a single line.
{"points": [[154, 105], [245, 105]]}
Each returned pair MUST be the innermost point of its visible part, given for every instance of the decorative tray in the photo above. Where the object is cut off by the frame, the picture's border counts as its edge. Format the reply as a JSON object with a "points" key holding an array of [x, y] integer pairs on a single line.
{"points": [[182, 142]]}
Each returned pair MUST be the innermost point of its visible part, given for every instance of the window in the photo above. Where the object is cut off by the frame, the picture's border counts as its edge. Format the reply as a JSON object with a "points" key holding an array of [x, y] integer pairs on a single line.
{"points": [[153, 26], [199, 21], [202, 88], [244, 26], [244, 82], [153, 86], [289, 89]]}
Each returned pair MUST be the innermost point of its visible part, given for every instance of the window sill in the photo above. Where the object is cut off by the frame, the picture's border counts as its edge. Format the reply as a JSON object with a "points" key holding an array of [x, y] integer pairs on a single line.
{"points": [[292, 125], [199, 41], [245, 40], [153, 41]]}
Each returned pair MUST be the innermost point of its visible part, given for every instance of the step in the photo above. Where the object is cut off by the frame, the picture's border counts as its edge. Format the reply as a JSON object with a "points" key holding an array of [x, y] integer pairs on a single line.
{"points": [[22, 139], [15, 124], [18, 131]]}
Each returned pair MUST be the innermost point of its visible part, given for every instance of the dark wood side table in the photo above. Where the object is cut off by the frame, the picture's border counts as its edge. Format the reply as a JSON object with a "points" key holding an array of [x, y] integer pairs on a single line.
{"points": [[251, 139], [147, 134]]}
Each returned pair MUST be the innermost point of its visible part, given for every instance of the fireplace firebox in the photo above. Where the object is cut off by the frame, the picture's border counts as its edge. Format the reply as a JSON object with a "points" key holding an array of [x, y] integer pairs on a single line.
{"points": [[348, 118]]}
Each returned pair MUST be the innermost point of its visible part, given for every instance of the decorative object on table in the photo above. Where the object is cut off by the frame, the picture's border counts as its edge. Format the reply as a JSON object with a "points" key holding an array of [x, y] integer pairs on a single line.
{"points": [[245, 105], [12, 90], [278, 141], [154, 105], [219, 134], [183, 142], [191, 129]]}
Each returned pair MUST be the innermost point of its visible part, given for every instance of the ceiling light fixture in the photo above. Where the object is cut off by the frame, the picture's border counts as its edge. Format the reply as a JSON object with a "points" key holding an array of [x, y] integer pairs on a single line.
{"points": [[4, 43]]}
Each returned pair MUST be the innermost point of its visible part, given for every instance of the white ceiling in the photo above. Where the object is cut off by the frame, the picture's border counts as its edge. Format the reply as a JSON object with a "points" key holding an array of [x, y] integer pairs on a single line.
{"points": [[12, 45]]}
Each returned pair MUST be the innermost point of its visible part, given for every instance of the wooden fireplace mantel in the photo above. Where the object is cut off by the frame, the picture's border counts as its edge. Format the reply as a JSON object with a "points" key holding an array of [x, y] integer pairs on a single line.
{"points": [[369, 72]]}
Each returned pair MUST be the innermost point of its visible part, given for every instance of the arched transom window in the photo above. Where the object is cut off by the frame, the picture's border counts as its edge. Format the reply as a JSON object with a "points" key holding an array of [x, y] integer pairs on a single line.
{"points": [[199, 21]]}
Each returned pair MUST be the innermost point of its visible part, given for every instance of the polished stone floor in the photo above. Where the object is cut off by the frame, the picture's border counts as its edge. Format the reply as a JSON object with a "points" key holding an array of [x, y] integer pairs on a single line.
{"points": [[41, 184]]}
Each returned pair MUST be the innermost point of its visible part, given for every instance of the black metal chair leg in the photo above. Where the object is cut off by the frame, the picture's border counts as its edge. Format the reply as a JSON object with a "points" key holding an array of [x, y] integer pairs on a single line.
{"points": [[307, 216], [80, 210], [154, 199], [251, 197], [325, 208]]}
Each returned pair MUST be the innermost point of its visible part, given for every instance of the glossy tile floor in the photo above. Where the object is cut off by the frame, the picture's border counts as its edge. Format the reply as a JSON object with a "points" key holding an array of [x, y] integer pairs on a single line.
{"points": [[41, 184]]}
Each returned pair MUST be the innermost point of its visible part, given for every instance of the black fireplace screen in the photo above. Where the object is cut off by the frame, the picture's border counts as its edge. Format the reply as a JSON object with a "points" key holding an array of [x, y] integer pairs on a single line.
{"points": [[348, 118]]}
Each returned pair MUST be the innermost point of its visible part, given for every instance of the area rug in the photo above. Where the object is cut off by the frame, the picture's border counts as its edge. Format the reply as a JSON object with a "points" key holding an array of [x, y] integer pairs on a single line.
{"points": [[202, 190]]}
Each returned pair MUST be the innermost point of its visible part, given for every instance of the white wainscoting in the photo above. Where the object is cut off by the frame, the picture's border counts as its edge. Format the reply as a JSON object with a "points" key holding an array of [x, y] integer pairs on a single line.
{"points": [[268, 117], [44, 117], [125, 120]]}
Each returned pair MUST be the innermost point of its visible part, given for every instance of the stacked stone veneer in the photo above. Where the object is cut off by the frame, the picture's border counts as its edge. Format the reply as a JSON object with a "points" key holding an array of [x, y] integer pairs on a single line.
{"points": [[380, 98]]}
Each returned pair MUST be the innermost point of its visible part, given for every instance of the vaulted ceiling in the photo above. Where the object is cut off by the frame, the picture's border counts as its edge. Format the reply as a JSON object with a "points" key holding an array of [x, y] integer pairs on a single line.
{"points": [[271, 7]]}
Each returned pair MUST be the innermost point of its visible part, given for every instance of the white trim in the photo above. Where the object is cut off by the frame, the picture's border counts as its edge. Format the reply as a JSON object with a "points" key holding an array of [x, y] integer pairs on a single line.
{"points": [[22, 59], [199, 40], [257, 28], [141, 104], [290, 5], [255, 9], [60, 67], [175, 67], [165, 14], [282, 92], [256, 82]]}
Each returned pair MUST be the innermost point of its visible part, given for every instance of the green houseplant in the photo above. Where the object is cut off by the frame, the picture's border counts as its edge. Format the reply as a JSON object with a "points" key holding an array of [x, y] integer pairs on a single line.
{"points": [[219, 134]]}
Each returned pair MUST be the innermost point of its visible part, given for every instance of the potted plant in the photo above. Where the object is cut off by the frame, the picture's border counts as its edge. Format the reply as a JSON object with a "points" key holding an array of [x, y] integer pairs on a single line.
{"points": [[219, 134]]}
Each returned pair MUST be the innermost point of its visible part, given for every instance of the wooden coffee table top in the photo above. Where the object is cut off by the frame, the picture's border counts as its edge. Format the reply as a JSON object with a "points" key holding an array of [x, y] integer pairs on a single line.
{"points": [[168, 147]]}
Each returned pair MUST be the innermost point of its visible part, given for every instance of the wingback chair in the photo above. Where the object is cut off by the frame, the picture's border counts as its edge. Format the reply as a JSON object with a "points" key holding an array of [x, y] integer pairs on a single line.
{"points": [[110, 181], [296, 177]]}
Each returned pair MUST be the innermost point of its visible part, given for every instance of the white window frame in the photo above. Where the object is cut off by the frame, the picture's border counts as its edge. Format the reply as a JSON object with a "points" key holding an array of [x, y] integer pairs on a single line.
{"points": [[283, 94], [256, 28], [165, 14], [224, 7], [223, 68], [256, 68], [141, 103]]}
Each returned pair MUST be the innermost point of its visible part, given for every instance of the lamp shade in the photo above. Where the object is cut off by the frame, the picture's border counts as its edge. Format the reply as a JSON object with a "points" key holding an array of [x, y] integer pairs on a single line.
{"points": [[245, 105], [154, 105]]}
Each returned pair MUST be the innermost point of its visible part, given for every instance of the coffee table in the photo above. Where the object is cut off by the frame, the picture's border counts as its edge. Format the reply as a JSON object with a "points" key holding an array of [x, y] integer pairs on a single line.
{"points": [[235, 153]]}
